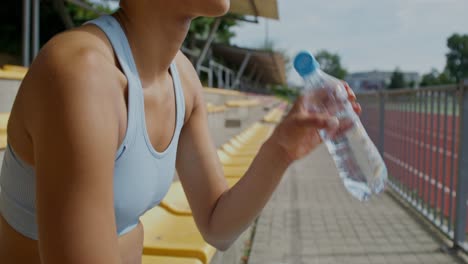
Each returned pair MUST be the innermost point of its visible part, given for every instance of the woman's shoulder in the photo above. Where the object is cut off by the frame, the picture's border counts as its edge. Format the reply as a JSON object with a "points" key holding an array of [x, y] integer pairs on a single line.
{"points": [[76, 61], [187, 72], [193, 89], [80, 51], [75, 67]]}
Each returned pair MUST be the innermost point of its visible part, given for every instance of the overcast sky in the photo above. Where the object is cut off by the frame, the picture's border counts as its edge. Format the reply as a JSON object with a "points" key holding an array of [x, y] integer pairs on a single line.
{"points": [[368, 34]]}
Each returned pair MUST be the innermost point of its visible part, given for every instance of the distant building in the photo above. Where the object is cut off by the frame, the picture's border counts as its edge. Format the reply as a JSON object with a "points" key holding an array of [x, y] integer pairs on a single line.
{"points": [[377, 80]]}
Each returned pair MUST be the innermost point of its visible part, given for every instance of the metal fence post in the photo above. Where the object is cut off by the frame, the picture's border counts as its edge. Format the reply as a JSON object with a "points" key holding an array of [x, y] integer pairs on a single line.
{"points": [[381, 122], [207, 45], [26, 33], [462, 182], [210, 74], [35, 27]]}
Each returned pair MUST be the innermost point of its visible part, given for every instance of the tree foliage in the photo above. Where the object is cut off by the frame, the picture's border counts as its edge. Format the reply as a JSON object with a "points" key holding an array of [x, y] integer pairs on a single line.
{"points": [[80, 15], [53, 20], [331, 64], [10, 27], [201, 27], [398, 80], [430, 79], [285, 92], [457, 58], [271, 45], [435, 78], [57, 16]]}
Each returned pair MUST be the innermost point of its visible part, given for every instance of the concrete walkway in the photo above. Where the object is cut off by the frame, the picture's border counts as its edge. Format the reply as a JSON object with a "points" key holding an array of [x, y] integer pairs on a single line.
{"points": [[312, 219]]}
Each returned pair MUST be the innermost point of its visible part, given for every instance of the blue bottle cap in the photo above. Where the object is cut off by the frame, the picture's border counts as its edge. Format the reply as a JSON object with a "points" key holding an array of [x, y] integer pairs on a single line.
{"points": [[305, 63]]}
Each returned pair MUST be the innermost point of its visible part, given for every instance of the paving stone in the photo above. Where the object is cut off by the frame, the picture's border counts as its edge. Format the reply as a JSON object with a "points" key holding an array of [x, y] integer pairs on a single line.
{"points": [[377, 259], [317, 221], [409, 259]]}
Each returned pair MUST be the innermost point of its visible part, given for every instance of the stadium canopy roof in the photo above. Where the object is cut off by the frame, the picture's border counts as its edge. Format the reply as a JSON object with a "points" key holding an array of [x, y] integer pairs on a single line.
{"points": [[268, 66], [257, 8]]}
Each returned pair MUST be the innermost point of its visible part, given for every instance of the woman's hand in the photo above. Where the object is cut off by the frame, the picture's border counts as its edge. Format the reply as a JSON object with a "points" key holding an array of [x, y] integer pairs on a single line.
{"points": [[297, 135]]}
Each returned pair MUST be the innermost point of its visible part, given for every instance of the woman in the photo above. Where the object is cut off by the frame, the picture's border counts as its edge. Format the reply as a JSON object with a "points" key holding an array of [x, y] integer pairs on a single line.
{"points": [[93, 137]]}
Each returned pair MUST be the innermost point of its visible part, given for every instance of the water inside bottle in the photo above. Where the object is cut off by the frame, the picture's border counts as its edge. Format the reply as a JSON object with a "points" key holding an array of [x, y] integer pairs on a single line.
{"points": [[357, 159], [358, 162]]}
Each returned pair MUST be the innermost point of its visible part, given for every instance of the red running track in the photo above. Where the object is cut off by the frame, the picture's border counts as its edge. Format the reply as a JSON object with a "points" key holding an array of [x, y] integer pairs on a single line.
{"points": [[415, 156]]}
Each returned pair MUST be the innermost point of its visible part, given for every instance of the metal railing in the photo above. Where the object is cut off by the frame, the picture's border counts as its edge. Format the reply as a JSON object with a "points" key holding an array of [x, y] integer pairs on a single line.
{"points": [[225, 77], [421, 134]]}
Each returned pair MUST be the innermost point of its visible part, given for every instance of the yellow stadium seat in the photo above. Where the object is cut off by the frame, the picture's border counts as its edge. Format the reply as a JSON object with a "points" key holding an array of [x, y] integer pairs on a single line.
{"points": [[249, 140], [253, 127], [234, 171], [227, 160], [222, 91], [3, 128], [252, 131], [274, 116], [211, 108], [15, 68], [257, 128], [242, 103], [169, 260], [170, 235], [232, 151], [4, 121], [12, 75], [176, 201], [238, 144], [257, 138], [232, 181], [3, 140]]}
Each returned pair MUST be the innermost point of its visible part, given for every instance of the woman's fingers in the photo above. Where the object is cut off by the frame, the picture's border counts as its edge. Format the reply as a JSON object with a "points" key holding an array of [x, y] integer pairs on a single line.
{"points": [[351, 95], [345, 125], [318, 121], [321, 120], [298, 104], [352, 98], [357, 107]]}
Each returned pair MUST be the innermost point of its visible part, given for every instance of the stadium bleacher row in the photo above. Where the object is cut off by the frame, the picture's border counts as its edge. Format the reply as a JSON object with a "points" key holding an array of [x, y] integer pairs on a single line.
{"points": [[171, 235], [13, 72]]}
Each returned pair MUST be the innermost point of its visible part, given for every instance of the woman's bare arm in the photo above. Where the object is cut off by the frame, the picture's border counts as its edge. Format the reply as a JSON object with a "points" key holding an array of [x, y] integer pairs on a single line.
{"points": [[74, 128], [222, 214]]}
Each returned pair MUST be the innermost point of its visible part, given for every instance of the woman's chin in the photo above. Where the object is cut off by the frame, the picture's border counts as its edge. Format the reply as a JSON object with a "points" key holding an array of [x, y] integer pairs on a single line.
{"points": [[215, 8]]}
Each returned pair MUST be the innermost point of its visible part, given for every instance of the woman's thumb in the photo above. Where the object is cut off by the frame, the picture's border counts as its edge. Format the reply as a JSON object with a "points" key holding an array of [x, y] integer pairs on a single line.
{"points": [[298, 104]]}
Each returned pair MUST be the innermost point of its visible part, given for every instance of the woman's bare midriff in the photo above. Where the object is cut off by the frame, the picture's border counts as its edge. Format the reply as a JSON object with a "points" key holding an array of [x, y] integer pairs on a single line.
{"points": [[18, 249]]}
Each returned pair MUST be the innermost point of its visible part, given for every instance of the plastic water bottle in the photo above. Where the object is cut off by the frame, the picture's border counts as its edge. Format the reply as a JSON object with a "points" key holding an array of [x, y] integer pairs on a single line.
{"points": [[358, 161]]}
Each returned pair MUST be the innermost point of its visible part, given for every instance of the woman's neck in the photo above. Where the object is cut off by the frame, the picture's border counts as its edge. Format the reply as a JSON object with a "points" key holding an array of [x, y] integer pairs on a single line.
{"points": [[155, 37]]}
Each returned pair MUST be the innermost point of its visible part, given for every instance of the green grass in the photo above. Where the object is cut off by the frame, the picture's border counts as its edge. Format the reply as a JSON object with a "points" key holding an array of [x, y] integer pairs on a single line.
{"points": [[413, 103], [423, 109]]}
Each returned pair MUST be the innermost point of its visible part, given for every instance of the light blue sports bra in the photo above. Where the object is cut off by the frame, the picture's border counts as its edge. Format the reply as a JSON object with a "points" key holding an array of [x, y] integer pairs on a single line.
{"points": [[142, 175]]}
